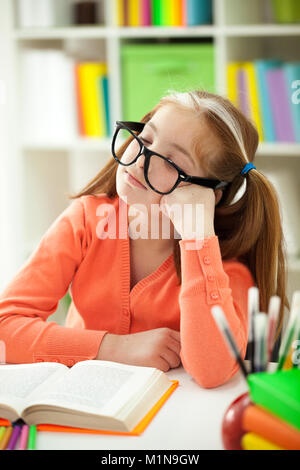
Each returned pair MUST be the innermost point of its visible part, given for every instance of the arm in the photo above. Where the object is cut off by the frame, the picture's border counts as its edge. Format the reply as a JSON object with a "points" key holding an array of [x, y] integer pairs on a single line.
{"points": [[206, 281], [33, 295]]}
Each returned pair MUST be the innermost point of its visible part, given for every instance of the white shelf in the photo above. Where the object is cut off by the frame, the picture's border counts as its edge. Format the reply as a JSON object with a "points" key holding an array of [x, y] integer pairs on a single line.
{"points": [[294, 265], [84, 144], [279, 149], [264, 149], [262, 30], [119, 32], [103, 32]]}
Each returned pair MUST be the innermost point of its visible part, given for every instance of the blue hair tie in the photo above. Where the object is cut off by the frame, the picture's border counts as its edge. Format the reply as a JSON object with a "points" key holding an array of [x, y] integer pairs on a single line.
{"points": [[247, 167]]}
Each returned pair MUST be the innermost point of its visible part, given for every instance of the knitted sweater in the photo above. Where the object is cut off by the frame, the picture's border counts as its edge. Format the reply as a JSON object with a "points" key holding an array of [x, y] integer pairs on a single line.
{"points": [[76, 254]]}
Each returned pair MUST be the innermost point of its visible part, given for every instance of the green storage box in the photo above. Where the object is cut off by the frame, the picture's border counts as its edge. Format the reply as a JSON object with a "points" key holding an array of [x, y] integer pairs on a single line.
{"points": [[150, 70], [287, 11]]}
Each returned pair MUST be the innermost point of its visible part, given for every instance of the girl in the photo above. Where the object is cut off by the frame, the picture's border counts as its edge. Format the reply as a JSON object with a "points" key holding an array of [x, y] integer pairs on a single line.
{"points": [[146, 300]]}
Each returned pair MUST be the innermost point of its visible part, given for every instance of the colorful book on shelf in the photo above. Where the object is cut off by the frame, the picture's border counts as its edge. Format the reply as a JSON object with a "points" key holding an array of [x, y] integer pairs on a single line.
{"points": [[261, 66], [292, 76], [119, 12], [243, 92], [253, 97], [157, 12], [90, 102], [146, 19], [134, 14], [198, 12], [280, 107], [91, 396], [232, 82]]}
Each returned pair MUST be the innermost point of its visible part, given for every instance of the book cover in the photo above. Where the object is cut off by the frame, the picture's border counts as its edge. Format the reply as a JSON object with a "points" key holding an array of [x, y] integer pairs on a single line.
{"points": [[146, 13], [292, 77], [176, 13], [261, 66], [198, 12], [156, 11], [104, 102], [92, 396], [253, 98], [134, 12], [80, 118], [278, 392], [88, 75], [256, 419], [280, 105], [119, 12], [253, 441], [232, 82], [243, 92]]}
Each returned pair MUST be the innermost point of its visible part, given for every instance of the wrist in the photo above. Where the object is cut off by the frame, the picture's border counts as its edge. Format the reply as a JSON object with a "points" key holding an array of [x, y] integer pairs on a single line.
{"points": [[107, 349]]}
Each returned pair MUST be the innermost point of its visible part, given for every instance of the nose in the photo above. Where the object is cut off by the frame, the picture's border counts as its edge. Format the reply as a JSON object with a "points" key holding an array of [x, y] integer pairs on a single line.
{"points": [[140, 161]]}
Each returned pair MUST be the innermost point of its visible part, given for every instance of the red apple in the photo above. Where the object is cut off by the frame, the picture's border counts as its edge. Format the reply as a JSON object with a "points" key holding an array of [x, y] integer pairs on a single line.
{"points": [[232, 431]]}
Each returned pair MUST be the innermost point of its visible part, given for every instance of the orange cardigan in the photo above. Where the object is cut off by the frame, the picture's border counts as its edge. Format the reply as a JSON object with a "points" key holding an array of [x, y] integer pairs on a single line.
{"points": [[75, 254]]}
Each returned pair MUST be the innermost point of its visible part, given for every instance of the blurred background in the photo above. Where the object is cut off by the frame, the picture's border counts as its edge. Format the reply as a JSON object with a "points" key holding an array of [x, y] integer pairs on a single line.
{"points": [[69, 69]]}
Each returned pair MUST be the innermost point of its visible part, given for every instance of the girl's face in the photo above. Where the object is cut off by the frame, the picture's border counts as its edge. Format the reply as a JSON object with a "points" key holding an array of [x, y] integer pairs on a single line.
{"points": [[170, 133]]}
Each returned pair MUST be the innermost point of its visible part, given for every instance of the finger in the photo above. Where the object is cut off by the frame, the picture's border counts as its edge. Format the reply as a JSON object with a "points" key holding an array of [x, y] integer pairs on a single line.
{"points": [[175, 335], [172, 358], [174, 345], [162, 364]]}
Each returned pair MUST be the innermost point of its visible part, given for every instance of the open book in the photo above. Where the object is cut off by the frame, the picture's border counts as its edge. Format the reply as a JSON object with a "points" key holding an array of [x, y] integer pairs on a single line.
{"points": [[91, 395]]}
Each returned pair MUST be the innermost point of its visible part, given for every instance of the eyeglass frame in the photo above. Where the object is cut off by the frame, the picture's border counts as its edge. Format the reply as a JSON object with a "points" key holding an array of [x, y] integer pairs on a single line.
{"points": [[182, 175]]}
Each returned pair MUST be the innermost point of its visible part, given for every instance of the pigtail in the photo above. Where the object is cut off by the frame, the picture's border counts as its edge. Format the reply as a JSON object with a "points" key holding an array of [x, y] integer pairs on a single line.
{"points": [[251, 231]]}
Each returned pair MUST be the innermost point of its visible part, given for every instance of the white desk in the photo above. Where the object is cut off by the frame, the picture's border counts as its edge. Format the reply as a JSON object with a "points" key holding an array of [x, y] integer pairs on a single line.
{"points": [[190, 419]]}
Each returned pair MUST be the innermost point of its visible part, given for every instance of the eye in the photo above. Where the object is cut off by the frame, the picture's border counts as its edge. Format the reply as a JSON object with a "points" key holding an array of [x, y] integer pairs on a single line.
{"points": [[145, 141]]}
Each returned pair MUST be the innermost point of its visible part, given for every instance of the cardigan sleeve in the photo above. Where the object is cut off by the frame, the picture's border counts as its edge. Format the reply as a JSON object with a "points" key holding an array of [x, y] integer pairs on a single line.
{"points": [[34, 292], [208, 281]]}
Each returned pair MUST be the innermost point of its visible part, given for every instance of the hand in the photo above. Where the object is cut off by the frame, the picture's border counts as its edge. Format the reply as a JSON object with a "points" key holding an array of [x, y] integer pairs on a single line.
{"points": [[159, 348], [187, 219]]}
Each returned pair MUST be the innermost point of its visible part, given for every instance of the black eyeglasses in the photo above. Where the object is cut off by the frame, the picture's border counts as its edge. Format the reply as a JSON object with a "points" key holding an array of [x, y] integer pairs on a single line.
{"points": [[161, 173]]}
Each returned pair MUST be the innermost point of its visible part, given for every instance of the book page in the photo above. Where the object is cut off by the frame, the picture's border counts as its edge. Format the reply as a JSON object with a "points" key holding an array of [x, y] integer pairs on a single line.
{"points": [[90, 386], [18, 381]]}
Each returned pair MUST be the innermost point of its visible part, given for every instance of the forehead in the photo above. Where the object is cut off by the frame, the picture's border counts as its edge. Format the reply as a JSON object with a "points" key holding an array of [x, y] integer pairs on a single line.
{"points": [[181, 125]]}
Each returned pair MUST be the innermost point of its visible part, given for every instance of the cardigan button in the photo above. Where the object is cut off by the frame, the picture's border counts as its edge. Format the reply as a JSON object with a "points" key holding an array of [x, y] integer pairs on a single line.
{"points": [[206, 260], [214, 295], [211, 277]]}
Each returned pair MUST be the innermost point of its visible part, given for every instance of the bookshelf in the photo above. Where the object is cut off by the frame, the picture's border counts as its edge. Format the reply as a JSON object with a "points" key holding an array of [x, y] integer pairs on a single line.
{"points": [[38, 176]]}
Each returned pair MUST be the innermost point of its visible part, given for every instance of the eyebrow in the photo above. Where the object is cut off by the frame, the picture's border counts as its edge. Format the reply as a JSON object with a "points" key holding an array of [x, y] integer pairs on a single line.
{"points": [[176, 146]]}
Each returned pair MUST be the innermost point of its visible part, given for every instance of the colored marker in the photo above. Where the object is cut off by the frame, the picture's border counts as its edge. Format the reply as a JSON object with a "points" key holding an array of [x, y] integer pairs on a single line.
{"points": [[253, 309], [273, 315], [24, 437], [6, 437], [291, 328], [260, 325], [222, 323], [31, 438], [14, 437]]}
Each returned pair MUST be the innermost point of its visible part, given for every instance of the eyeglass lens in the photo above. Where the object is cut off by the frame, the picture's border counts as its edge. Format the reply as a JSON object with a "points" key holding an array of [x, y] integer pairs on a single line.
{"points": [[161, 174]]}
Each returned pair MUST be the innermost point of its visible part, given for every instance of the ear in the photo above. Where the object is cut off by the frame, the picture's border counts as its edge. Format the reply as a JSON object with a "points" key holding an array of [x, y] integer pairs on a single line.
{"points": [[218, 194]]}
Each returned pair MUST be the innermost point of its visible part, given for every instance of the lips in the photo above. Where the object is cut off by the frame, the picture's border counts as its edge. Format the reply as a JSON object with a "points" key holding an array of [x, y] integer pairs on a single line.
{"points": [[135, 179]]}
